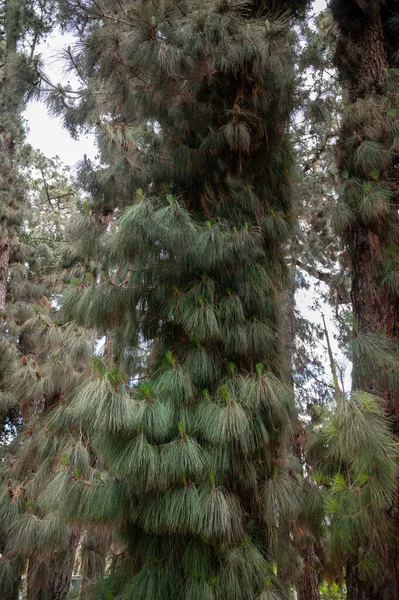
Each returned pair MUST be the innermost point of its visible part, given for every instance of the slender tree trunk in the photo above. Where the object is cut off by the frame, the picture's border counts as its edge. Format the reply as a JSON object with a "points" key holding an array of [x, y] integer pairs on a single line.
{"points": [[287, 335], [53, 576], [4, 259], [307, 584], [364, 53], [308, 581], [61, 569]]}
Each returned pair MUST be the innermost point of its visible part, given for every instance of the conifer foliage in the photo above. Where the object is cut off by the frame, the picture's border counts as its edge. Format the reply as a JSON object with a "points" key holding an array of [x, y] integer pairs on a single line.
{"points": [[191, 101]]}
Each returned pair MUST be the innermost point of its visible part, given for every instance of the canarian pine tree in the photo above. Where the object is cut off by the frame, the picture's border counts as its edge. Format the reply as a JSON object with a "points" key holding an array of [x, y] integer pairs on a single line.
{"points": [[45, 360], [353, 475], [368, 158], [192, 103], [23, 23], [39, 543]]}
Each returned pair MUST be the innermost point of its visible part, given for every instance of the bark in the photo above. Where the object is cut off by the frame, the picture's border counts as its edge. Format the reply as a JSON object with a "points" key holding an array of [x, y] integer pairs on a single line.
{"points": [[361, 49], [364, 52], [53, 577], [308, 582], [61, 569], [4, 260]]}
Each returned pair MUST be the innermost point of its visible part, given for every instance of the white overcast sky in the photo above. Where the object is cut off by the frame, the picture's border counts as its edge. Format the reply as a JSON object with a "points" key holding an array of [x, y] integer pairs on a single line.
{"points": [[46, 132]]}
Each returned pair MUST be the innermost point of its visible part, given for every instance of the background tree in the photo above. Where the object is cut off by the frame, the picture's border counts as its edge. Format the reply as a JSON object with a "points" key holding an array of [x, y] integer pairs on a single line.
{"points": [[22, 24], [366, 59], [48, 359]]}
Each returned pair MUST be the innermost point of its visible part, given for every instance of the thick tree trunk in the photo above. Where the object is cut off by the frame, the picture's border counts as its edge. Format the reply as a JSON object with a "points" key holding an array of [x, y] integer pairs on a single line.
{"points": [[364, 52]]}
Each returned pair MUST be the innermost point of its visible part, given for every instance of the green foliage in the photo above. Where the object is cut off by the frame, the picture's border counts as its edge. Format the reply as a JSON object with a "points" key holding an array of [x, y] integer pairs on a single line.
{"points": [[224, 420], [361, 462], [332, 592], [140, 463], [106, 403], [30, 534]]}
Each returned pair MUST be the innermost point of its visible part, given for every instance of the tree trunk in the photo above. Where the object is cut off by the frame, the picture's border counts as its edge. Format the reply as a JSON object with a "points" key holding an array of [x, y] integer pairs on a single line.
{"points": [[4, 259], [308, 581], [307, 584], [53, 576], [364, 54], [61, 569]]}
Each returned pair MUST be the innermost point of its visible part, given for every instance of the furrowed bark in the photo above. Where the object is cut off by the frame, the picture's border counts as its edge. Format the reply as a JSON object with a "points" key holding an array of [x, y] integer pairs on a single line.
{"points": [[308, 582], [53, 576], [61, 569]]}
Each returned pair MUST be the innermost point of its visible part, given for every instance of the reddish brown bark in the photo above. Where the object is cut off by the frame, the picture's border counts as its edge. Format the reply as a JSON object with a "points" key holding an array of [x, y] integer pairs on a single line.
{"points": [[61, 569], [308, 582]]}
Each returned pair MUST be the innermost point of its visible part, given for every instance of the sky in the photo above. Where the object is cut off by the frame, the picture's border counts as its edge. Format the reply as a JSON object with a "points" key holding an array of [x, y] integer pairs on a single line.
{"points": [[46, 132]]}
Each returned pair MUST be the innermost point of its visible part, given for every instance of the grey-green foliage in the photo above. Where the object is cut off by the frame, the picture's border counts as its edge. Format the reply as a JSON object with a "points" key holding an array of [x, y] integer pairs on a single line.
{"points": [[355, 461], [37, 384]]}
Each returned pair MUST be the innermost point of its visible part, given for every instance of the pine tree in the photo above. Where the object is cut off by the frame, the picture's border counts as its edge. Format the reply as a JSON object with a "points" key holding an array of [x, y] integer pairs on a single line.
{"points": [[45, 361], [192, 105], [366, 58], [22, 25], [58, 363]]}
